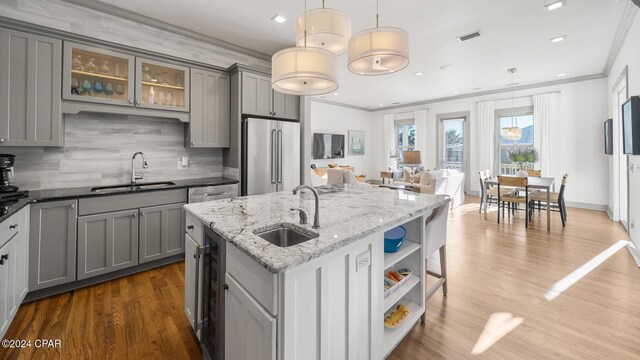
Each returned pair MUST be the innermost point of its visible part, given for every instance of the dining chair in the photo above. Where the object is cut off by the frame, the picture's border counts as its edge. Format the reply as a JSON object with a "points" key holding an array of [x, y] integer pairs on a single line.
{"points": [[492, 192], [512, 198], [534, 173], [436, 240], [556, 200]]}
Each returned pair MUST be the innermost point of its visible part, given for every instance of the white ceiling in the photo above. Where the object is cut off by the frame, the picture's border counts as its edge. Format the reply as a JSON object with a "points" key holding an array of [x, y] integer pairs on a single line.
{"points": [[515, 33]]}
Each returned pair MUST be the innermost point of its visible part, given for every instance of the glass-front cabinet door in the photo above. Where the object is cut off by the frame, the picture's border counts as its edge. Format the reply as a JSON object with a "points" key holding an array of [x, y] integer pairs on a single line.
{"points": [[162, 86], [97, 75]]}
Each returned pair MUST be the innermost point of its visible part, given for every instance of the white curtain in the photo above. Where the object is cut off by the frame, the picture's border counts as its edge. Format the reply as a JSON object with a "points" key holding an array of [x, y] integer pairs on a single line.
{"points": [[389, 137], [545, 114], [421, 134], [485, 146]]}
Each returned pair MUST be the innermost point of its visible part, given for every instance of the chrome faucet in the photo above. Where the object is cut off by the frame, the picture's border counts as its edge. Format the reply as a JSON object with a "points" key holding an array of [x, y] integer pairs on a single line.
{"points": [[135, 177], [316, 216]]}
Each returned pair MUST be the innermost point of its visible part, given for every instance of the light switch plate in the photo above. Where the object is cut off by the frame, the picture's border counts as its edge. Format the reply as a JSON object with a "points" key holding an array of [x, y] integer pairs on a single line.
{"points": [[185, 161], [363, 260]]}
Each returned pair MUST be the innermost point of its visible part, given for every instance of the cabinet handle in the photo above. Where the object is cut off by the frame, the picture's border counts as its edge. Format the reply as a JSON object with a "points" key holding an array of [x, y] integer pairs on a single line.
{"points": [[189, 227], [275, 113], [225, 287], [14, 226], [142, 213], [4, 258], [193, 143], [135, 215], [73, 206], [1, 139], [130, 101], [137, 102]]}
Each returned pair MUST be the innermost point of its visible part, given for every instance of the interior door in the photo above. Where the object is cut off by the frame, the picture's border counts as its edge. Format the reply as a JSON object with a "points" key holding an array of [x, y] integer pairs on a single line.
{"points": [[288, 137], [261, 142]]}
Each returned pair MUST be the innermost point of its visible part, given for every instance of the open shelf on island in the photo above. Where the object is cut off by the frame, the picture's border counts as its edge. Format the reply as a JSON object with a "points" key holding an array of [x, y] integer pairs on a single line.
{"points": [[393, 336], [394, 297], [406, 249]]}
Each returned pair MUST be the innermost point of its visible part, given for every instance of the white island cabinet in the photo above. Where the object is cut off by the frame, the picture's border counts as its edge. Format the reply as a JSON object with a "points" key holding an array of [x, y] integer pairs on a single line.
{"points": [[324, 298]]}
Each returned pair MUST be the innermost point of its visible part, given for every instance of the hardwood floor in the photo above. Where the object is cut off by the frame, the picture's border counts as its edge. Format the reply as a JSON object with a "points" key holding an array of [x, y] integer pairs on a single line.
{"points": [[501, 270]]}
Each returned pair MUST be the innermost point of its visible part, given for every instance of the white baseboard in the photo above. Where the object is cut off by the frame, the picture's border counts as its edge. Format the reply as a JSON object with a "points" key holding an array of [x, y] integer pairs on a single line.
{"points": [[588, 206], [635, 253]]}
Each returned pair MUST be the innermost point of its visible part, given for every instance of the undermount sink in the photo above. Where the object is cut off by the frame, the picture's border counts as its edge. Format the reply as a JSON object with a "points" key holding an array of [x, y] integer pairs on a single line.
{"points": [[285, 234], [133, 187]]}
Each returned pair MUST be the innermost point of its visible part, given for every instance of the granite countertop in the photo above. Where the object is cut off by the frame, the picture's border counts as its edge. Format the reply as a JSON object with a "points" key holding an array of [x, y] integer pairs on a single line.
{"points": [[346, 215], [8, 209]]}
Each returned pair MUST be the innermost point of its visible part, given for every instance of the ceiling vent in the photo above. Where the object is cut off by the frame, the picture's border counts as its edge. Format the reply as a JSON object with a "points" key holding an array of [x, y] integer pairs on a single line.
{"points": [[469, 36]]}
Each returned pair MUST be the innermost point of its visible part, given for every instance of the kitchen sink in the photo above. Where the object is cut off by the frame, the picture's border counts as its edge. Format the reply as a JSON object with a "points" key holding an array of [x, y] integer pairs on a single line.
{"points": [[285, 234], [132, 187]]}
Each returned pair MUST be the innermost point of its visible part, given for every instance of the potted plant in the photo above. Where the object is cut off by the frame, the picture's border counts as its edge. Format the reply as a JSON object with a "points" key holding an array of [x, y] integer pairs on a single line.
{"points": [[522, 157]]}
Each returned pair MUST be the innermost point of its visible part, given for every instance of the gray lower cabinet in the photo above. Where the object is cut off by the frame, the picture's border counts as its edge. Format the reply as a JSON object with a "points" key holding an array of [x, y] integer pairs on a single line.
{"points": [[107, 242], [209, 117], [30, 90], [161, 231], [52, 244]]}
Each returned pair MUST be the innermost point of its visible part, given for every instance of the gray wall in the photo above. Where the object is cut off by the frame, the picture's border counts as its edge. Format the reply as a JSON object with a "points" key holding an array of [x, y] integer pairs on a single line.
{"points": [[98, 150]]}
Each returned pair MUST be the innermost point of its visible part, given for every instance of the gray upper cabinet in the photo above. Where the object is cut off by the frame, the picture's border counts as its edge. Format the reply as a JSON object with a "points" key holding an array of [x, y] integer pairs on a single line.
{"points": [[52, 244], [209, 118], [286, 106], [258, 98], [97, 75], [161, 231], [30, 86], [161, 85], [107, 242]]}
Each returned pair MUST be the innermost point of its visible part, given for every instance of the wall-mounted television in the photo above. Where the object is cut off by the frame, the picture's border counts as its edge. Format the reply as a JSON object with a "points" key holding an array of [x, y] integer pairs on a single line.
{"points": [[608, 137], [631, 126], [328, 146]]}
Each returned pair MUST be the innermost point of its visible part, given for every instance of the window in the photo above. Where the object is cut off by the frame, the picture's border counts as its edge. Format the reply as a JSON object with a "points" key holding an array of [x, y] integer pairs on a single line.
{"points": [[405, 137], [525, 123]]}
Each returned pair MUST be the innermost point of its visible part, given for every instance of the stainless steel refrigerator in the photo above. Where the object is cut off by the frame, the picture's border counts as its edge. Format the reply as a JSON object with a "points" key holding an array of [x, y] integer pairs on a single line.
{"points": [[270, 156]]}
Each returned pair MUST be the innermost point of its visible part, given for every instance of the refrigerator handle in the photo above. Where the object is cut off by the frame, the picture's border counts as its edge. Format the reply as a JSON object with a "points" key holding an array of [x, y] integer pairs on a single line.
{"points": [[274, 150], [280, 156]]}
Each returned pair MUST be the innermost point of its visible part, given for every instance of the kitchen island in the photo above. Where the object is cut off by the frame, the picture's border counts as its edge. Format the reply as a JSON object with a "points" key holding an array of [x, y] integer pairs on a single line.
{"points": [[322, 298]]}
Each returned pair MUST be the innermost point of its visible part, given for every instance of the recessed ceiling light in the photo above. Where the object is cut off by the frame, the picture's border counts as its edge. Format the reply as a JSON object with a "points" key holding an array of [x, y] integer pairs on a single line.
{"points": [[279, 18], [335, 94], [562, 75], [445, 67], [419, 73], [379, 104], [556, 5], [456, 92], [558, 39]]}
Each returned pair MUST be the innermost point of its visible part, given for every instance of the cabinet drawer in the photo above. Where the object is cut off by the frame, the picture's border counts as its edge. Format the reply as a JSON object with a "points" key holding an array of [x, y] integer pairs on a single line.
{"points": [[209, 193], [9, 228], [111, 203], [193, 227], [258, 281]]}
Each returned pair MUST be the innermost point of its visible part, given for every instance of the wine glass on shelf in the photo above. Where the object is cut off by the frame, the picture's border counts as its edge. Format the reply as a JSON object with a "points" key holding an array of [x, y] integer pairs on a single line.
{"points": [[75, 85], [120, 89], [91, 65], [105, 67], [86, 87], [161, 98], [77, 63], [108, 89], [98, 87]]}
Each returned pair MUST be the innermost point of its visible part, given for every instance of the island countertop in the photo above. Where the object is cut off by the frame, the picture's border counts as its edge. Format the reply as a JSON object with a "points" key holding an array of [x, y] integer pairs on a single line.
{"points": [[347, 214]]}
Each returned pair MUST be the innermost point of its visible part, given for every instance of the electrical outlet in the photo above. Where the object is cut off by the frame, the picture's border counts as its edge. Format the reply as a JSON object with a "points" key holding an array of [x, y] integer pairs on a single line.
{"points": [[180, 167], [185, 161], [363, 260]]}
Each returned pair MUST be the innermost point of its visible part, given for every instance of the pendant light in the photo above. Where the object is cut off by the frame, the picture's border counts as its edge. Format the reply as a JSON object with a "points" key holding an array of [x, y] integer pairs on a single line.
{"points": [[304, 70], [329, 29], [513, 132], [378, 51]]}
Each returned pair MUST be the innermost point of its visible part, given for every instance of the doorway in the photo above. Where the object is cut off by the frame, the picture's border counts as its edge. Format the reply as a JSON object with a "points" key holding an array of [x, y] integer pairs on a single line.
{"points": [[453, 143], [620, 161]]}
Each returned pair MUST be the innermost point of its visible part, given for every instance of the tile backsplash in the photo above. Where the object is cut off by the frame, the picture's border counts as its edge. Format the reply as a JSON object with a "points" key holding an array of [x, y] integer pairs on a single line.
{"points": [[98, 148]]}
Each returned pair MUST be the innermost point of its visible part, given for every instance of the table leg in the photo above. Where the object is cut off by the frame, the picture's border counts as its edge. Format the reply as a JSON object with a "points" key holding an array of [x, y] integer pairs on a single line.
{"points": [[548, 209]]}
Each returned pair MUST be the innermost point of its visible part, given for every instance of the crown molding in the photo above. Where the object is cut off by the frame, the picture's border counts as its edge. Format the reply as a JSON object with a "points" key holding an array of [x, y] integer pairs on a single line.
{"points": [[145, 20], [624, 26]]}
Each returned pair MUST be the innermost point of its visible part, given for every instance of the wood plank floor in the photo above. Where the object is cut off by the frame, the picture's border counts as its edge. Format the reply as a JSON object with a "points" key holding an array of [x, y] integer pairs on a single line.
{"points": [[500, 270]]}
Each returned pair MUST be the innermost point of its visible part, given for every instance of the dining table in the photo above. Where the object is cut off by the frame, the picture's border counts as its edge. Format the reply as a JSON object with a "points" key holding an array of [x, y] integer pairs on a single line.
{"points": [[534, 182]]}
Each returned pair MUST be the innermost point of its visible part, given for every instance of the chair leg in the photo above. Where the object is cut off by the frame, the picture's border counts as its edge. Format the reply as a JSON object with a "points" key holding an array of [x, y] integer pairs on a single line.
{"points": [[509, 205], [561, 208], [564, 208], [443, 269], [526, 214], [498, 212], [481, 201]]}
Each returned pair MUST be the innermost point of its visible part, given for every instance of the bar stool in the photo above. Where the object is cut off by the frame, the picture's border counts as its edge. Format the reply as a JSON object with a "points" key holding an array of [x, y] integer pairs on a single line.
{"points": [[436, 240]]}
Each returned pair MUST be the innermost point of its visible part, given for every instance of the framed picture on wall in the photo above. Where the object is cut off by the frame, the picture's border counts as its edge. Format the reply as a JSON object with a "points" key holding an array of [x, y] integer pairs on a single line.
{"points": [[356, 142]]}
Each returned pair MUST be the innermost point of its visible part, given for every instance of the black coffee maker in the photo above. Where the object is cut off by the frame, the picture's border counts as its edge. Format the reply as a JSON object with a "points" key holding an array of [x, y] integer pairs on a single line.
{"points": [[6, 172]]}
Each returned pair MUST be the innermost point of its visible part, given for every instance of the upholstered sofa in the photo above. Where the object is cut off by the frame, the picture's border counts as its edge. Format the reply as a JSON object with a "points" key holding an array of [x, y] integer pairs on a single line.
{"points": [[443, 181]]}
